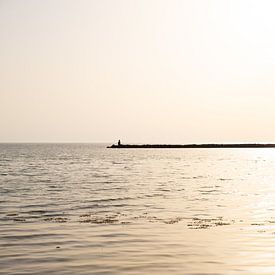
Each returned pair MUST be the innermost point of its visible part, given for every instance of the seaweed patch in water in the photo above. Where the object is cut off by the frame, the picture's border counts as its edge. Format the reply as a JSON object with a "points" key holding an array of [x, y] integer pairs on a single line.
{"points": [[172, 221], [100, 220], [19, 219], [56, 219], [198, 223]]}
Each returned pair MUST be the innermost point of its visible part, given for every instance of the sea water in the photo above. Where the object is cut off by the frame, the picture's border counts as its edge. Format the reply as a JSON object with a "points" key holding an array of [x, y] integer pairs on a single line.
{"points": [[86, 209]]}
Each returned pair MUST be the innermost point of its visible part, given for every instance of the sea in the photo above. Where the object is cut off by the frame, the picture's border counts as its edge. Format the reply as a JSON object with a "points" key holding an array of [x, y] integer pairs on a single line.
{"points": [[87, 209]]}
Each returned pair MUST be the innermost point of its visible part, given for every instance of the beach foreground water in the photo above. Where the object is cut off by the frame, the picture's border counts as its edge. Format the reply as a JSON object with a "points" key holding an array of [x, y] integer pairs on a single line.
{"points": [[86, 209]]}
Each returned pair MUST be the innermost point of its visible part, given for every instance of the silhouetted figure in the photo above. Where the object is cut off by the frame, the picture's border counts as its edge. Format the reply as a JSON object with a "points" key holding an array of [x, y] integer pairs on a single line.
{"points": [[119, 143]]}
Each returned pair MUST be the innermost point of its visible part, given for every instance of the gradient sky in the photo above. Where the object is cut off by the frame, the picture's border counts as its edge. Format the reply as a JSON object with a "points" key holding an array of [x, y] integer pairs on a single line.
{"points": [[142, 71]]}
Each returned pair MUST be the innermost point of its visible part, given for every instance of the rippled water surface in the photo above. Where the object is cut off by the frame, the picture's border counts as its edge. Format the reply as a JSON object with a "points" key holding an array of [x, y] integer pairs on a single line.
{"points": [[85, 209]]}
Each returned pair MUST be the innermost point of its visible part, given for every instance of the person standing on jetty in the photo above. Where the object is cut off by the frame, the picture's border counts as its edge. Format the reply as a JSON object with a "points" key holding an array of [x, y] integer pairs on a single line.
{"points": [[119, 143]]}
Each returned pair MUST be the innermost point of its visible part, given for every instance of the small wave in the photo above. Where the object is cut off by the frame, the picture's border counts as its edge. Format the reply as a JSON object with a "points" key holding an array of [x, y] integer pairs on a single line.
{"points": [[114, 199]]}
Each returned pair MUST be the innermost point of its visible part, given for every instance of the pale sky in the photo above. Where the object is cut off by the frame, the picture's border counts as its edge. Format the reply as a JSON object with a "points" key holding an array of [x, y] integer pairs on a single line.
{"points": [[142, 71]]}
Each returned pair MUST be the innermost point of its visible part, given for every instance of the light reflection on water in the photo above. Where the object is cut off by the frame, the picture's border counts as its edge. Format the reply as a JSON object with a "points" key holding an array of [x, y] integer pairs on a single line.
{"points": [[83, 209]]}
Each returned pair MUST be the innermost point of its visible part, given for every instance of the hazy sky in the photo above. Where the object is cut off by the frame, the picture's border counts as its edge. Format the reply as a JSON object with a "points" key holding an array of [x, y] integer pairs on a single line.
{"points": [[143, 71]]}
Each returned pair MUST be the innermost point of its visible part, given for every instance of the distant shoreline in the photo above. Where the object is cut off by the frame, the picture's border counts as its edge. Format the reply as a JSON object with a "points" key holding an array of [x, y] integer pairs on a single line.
{"points": [[214, 145]]}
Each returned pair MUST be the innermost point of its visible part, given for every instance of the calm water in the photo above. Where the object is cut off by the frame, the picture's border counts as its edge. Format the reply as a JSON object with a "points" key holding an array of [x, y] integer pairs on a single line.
{"points": [[85, 209]]}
